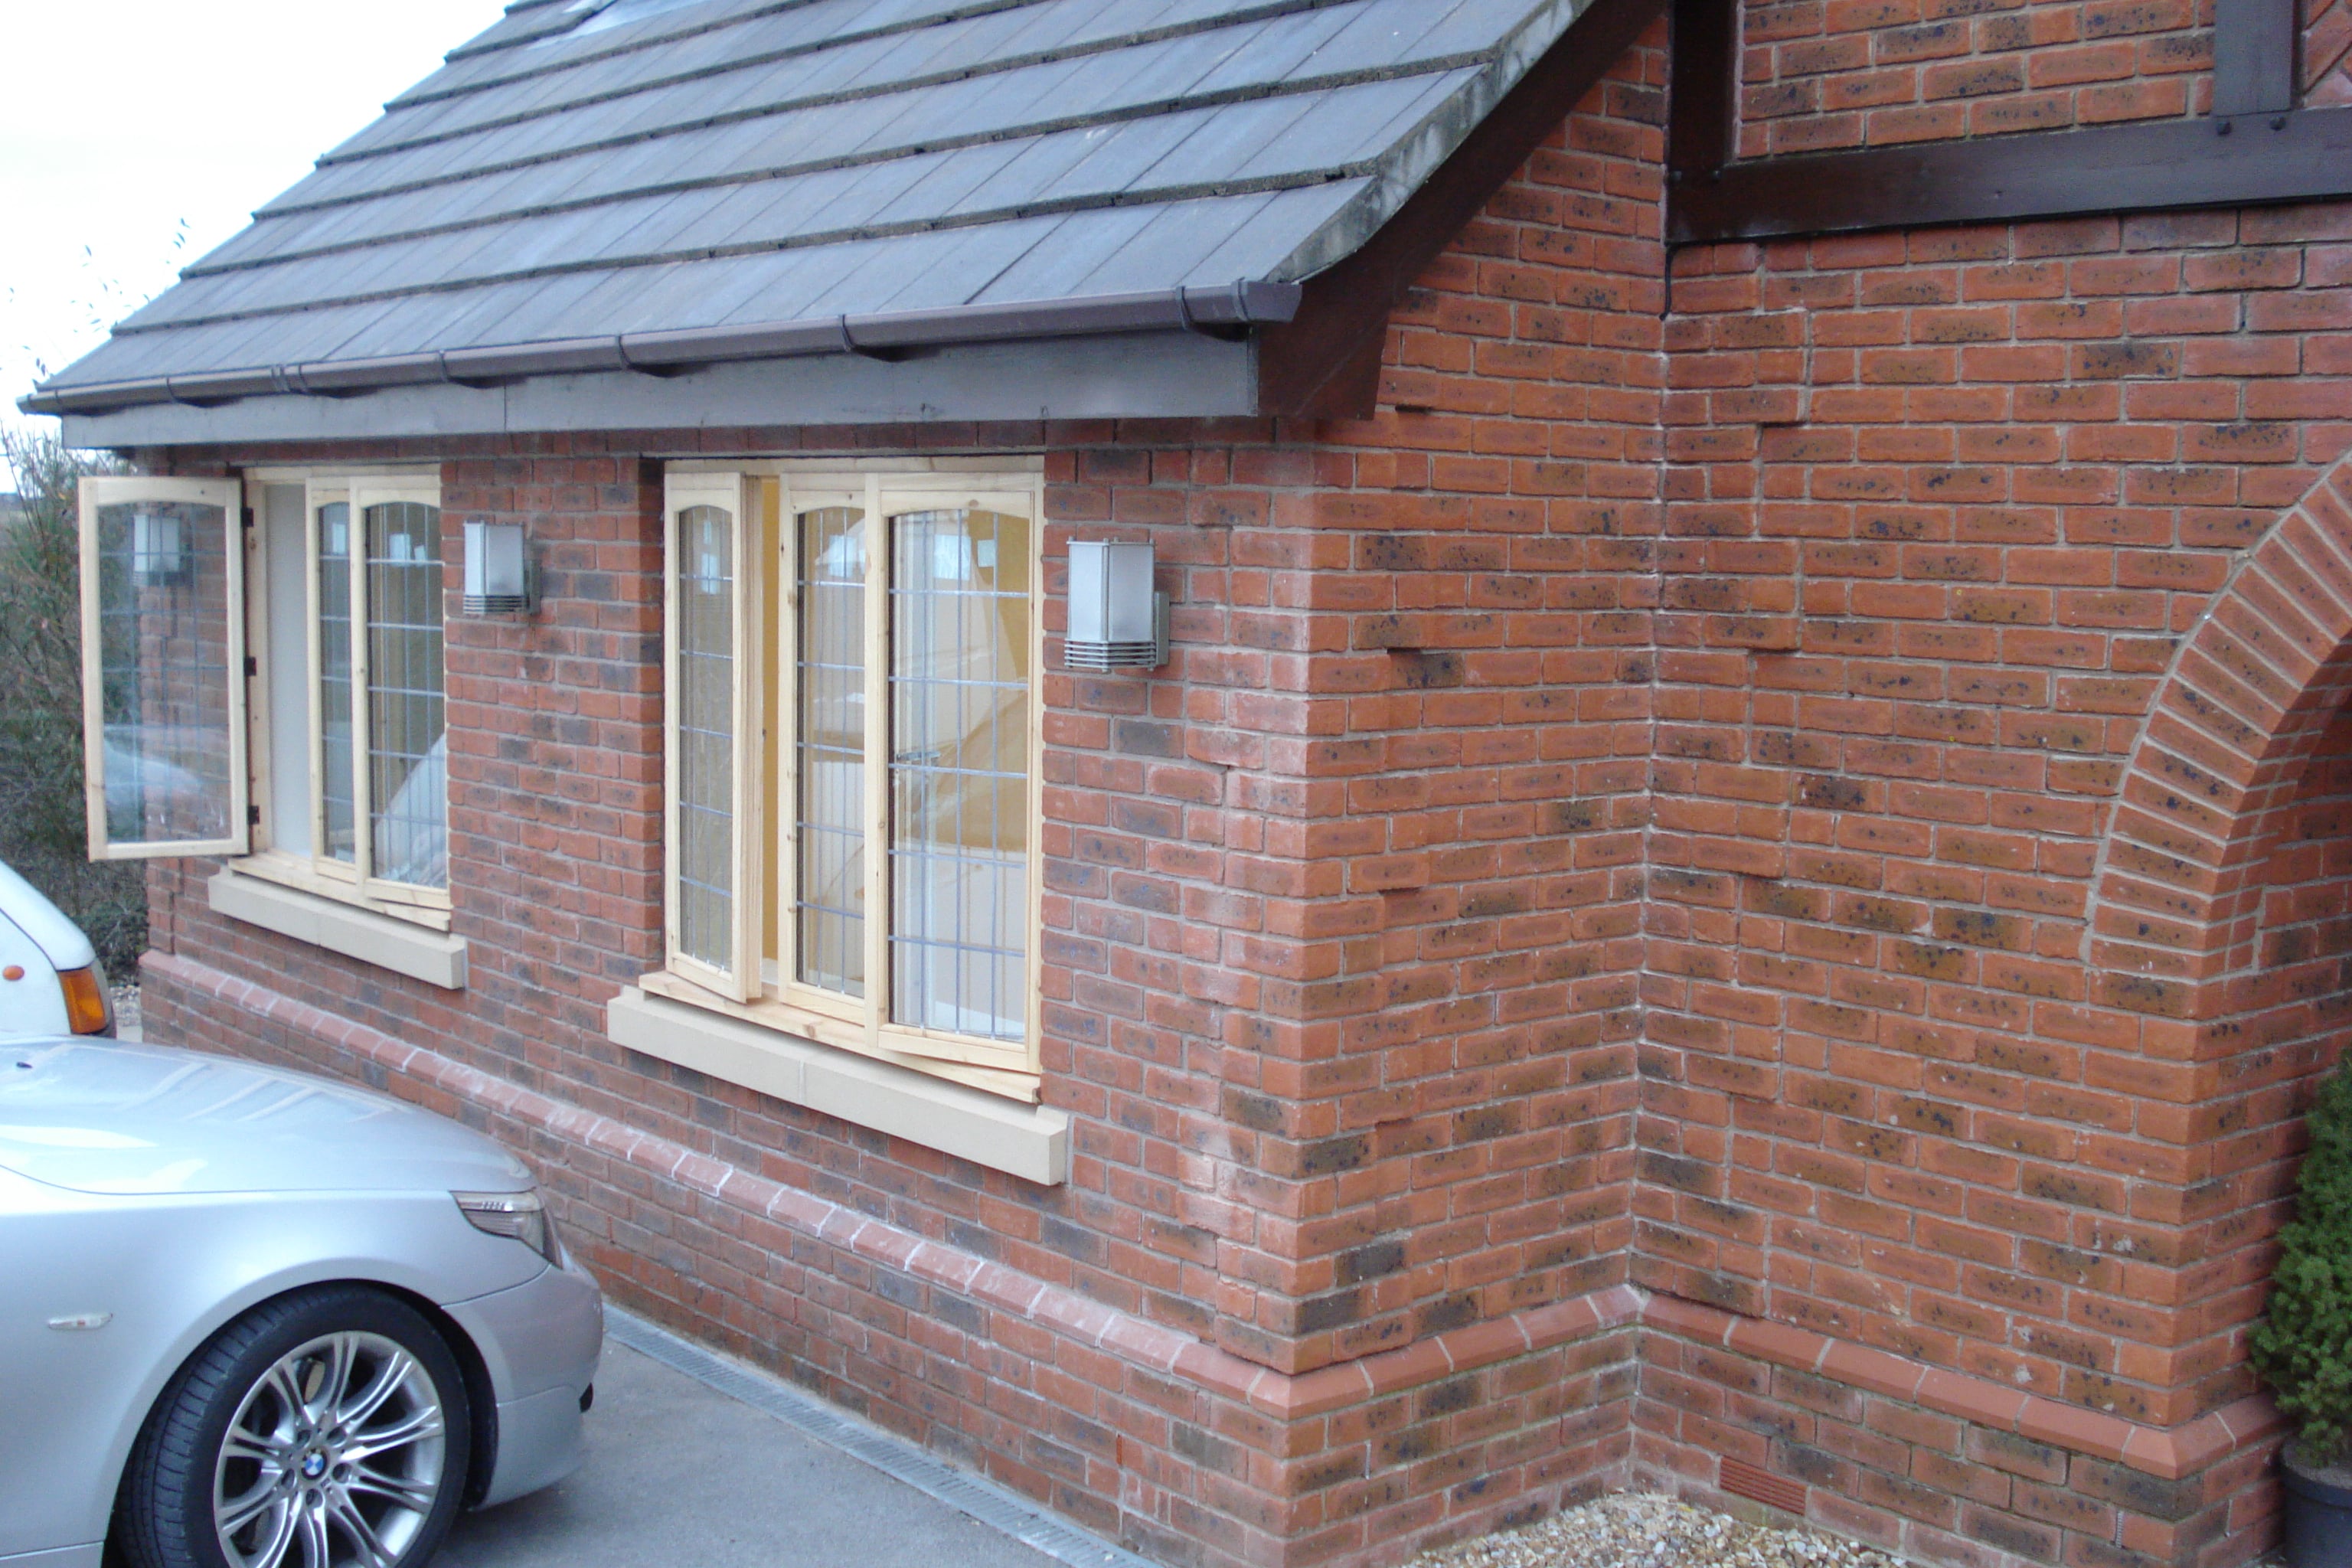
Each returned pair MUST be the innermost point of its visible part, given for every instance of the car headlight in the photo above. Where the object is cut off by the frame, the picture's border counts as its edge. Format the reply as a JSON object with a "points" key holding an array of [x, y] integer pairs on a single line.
{"points": [[520, 1216]]}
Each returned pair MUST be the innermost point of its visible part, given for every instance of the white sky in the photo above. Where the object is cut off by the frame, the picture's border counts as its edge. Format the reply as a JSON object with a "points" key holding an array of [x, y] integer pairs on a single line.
{"points": [[122, 120]]}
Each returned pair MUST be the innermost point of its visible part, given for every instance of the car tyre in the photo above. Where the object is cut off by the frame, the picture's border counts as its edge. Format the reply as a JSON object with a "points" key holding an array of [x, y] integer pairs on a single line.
{"points": [[325, 1429]]}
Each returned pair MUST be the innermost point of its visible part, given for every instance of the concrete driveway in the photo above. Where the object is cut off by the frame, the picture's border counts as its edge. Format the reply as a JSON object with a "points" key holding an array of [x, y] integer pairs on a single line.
{"points": [[753, 1472]]}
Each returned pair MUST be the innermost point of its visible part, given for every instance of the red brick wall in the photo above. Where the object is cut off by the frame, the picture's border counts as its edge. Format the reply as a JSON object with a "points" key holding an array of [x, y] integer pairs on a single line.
{"points": [[2298, 1003], [2326, 52], [1941, 1470], [2016, 465], [1820, 74], [2307, 882]]}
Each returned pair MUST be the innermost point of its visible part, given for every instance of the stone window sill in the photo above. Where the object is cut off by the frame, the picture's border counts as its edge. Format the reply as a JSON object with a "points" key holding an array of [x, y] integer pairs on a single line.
{"points": [[1030, 1141], [402, 946]]}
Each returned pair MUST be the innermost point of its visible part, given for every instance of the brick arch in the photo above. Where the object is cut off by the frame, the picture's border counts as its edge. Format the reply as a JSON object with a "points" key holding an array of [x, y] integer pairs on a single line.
{"points": [[2178, 897]]}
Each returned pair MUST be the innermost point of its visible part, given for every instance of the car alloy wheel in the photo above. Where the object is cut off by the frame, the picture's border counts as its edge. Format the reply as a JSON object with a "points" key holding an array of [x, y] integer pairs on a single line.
{"points": [[336, 1455], [329, 1428]]}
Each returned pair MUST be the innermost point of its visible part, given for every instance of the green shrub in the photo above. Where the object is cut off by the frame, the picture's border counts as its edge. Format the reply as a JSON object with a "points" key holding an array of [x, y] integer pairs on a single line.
{"points": [[2303, 1346], [43, 821]]}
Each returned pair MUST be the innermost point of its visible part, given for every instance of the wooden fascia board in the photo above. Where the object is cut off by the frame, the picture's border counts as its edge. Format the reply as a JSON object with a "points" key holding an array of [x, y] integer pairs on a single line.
{"points": [[1324, 361], [2296, 155], [1703, 87], [2255, 47]]}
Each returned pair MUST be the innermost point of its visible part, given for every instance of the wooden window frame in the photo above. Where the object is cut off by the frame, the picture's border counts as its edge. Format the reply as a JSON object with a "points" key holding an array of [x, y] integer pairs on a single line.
{"points": [[776, 495], [96, 493], [738, 980], [315, 872]]}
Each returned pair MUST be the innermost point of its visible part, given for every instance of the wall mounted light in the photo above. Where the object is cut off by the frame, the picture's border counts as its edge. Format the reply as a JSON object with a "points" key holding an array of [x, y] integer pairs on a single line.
{"points": [[499, 578], [1116, 620]]}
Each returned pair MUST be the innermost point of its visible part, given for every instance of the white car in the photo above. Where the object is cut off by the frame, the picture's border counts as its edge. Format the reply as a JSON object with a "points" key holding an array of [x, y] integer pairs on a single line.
{"points": [[255, 1318], [50, 981]]}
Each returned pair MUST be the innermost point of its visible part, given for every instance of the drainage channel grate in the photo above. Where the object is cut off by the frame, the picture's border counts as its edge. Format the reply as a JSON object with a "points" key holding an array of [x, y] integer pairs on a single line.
{"points": [[984, 1500]]}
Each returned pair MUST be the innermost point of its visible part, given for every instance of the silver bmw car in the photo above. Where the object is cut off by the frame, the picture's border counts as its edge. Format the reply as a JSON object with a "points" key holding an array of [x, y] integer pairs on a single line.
{"points": [[253, 1318]]}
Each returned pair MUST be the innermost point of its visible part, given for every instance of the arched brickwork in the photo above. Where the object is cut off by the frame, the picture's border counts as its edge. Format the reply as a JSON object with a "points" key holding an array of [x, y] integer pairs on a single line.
{"points": [[2176, 908], [2216, 915]]}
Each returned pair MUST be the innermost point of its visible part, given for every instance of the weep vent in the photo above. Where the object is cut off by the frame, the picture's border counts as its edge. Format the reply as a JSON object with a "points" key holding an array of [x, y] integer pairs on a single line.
{"points": [[1757, 1484]]}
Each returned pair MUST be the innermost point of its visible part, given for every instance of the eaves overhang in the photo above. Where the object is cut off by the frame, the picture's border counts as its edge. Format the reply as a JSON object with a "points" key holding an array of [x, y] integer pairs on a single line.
{"points": [[1225, 314], [1148, 374]]}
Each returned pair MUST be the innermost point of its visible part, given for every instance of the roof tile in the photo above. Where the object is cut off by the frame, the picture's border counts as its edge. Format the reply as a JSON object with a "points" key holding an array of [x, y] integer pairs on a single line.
{"points": [[644, 165]]}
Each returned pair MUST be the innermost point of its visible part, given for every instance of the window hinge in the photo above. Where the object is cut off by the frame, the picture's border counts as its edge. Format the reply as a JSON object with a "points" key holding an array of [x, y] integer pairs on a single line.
{"points": [[248, 517], [253, 816], [252, 667]]}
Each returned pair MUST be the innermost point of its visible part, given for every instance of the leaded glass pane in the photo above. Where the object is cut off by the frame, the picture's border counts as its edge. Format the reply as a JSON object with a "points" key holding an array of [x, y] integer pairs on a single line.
{"points": [[408, 790], [959, 771], [337, 788], [706, 734], [164, 670], [831, 897]]}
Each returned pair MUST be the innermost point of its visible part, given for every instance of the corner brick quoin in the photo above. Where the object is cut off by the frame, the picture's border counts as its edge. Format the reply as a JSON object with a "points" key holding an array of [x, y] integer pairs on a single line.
{"points": [[435, 1081]]}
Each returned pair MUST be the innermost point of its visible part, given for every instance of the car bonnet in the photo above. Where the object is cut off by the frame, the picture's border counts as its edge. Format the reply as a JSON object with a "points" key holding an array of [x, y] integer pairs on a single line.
{"points": [[101, 1116], [26, 907]]}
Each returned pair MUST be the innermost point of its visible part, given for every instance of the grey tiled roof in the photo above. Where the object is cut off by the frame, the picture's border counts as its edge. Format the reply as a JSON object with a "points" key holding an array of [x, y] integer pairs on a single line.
{"points": [[611, 167]]}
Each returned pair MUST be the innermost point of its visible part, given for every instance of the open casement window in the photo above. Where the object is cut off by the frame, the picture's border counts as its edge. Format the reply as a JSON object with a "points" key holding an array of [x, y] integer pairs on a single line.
{"points": [[344, 592], [163, 607], [898, 767], [712, 724]]}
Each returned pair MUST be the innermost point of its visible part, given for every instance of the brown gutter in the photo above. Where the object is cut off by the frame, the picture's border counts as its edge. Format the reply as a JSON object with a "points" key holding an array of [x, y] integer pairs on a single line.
{"points": [[1227, 311]]}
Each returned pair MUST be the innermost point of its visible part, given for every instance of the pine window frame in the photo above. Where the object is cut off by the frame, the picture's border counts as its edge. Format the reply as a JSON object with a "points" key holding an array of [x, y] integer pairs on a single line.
{"points": [[775, 495], [96, 494]]}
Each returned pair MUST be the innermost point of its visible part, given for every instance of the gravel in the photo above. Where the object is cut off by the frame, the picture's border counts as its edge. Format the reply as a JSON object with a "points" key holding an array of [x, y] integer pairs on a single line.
{"points": [[126, 1011], [1642, 1530]]}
